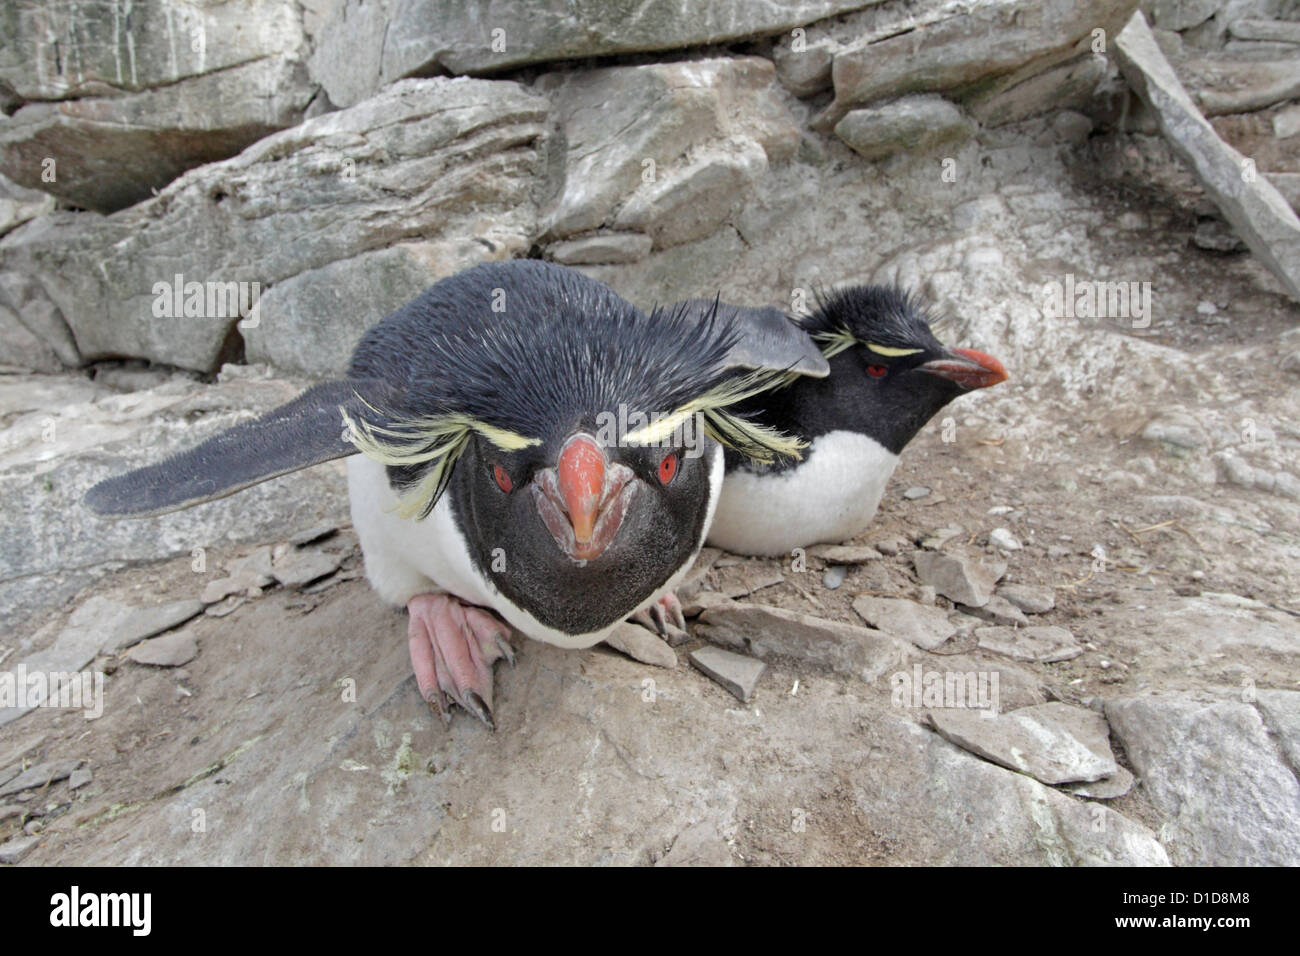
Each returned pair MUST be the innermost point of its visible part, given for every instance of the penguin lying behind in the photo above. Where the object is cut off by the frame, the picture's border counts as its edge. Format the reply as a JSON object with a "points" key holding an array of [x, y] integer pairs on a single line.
{"points": [[889, 376], [491, 485]]}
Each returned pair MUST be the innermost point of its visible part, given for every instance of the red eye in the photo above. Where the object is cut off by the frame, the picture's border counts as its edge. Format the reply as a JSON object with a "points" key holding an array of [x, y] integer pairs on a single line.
{"points": [[667, 469], [503, 480], [876, 371]]}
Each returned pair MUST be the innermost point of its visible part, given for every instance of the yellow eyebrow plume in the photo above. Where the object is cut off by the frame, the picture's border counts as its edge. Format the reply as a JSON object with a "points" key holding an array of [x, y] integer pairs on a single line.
{"points": [[888, 351]]}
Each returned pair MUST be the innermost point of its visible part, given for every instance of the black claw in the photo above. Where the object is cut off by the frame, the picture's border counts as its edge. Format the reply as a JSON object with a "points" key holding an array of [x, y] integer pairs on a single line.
{"points": [[479, 708]]}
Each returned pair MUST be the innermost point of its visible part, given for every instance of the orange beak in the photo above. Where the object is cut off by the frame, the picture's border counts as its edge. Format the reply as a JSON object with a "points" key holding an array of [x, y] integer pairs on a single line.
{"points": [[968, 368], [580, 479]]}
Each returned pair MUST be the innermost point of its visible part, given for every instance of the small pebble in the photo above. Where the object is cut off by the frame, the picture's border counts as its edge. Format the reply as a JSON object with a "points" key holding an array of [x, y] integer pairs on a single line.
{"points": [[915, 492], [834, 576]]}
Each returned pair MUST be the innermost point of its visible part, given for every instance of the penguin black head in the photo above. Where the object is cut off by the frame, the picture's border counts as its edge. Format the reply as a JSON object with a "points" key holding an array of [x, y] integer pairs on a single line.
{"points": [[889, 374], [573, 434]]}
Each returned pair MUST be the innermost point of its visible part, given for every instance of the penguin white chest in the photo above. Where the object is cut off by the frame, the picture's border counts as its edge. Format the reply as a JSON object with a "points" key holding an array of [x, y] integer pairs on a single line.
{"points": [[829, 497]]}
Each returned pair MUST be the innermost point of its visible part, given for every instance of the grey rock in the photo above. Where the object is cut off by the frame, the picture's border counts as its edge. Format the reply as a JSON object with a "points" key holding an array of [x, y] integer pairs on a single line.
{"points": [[1107, 788], [701, 601], [957, 576], [79, 778], [1275, 31], [1069, 85], [114, 151], [22, 348], [667, 149], [364, 45], [915, 492], [737, 673], [313, 534], [1180, 14], [442, 159], [225, 606], [691, 202], [170, 650], [641, 644], [998, 610], [890, 546], [833, 576], [16, 848], [1211, 769], [147, 621], [299, 568], [1280, 710], [1029, 598], [38, 775], [1255, 208], [1216, 236], [747, 579], [961, 47], [911, 124], [1053, 742], [19, 204], [603, 247], [355, 293], [804, 71], [1004, 539], [926, 627], [844, 553], [10, 810], [1045, 644], [125, 105], [937, 538], [770, 631], [1221, 85]]}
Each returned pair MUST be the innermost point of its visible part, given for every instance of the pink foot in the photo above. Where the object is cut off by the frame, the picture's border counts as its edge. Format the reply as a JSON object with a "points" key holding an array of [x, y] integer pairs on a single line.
{"points": [[453, 647], [665, 618]]}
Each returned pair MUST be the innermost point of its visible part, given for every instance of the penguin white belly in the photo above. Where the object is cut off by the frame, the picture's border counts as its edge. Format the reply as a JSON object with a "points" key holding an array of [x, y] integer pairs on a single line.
{"points": [[405, 557], [831, 496]]}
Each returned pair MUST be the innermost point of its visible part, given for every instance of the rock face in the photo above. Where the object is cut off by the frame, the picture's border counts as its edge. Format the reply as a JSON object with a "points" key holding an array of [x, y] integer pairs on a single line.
{"points": [[60, 440], [120, 103], [669, 150], [1212, 768], [953, 47], [1053, 742], [365, 44], [1254, 207], [434, 158]]}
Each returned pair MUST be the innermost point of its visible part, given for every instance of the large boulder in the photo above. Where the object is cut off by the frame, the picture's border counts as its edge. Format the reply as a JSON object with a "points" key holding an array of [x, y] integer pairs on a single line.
{"points": [[436, 160], [111, 106], [669, 150], [948, 46]]}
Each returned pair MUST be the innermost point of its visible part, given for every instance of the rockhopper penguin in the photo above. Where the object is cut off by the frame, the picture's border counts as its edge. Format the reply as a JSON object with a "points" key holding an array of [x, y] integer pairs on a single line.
{"points": [[490, 485], [889, 376]]}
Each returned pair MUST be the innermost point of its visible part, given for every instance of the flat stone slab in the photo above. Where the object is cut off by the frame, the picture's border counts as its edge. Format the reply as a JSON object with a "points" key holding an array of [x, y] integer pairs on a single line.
{"points": [[640, 644], [1042, 643], [1107, 788], [1257, 211], [771, 631], [38, 775], [926, 627], [735, 672], [1053, 742], [300, 568], [171, 650], [147, 621], [1029, 598], [958, 576]]}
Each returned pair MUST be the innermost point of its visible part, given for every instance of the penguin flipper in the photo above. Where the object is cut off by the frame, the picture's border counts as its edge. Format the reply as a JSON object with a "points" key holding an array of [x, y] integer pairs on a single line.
{"points": [[770, 340], [306, 431]]}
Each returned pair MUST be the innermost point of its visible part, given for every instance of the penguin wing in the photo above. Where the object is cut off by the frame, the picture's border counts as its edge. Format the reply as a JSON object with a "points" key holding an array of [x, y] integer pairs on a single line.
{"points": [[769, 339], [303, 432]]}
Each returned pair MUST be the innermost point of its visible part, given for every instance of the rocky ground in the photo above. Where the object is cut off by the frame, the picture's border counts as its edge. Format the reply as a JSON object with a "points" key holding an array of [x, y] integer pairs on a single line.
{"points": [[1113, 535]]}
